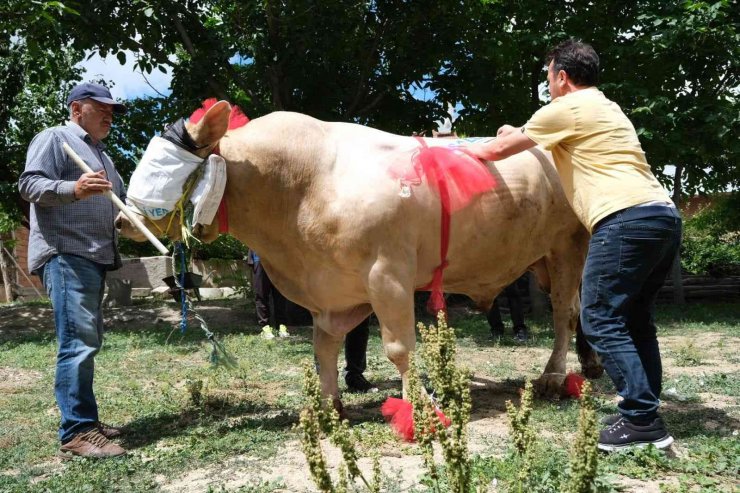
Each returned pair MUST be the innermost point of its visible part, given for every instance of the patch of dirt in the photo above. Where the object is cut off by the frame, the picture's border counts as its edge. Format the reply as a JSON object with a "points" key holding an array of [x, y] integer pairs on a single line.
{"points": [[712, 347], [26, 320], [290, 469], [488, 429], [14, 380], [630, 485]]}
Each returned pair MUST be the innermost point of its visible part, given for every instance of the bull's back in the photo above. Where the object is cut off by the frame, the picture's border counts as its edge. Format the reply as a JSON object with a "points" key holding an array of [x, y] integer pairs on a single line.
{"points": [[506, 230], [364, 214], [322, 205]]}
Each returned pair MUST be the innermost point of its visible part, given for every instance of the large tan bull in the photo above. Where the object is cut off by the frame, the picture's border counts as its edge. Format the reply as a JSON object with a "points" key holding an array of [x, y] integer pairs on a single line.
{"points": [[316, 200]]}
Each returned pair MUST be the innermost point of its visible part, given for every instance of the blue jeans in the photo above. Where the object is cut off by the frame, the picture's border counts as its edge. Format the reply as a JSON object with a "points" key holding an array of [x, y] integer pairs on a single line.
{"points": [[629, 256], [75, 286]]}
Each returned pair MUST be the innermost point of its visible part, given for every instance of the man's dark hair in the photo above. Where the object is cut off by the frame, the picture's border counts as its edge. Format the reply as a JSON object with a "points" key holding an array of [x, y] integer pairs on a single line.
{"points": [[577, 59]]}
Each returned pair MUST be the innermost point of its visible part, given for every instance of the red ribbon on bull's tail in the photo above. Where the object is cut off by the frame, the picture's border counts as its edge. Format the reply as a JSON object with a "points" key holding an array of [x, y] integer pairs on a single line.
{"points": [[457, 177]]}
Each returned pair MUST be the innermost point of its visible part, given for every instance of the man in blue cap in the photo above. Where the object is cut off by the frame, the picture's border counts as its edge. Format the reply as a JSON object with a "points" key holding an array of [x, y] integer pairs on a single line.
{"points": [[72, 244]]}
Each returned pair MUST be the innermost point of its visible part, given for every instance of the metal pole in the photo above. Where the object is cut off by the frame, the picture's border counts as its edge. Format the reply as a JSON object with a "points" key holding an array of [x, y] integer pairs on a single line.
{"points": [[127, 212]]}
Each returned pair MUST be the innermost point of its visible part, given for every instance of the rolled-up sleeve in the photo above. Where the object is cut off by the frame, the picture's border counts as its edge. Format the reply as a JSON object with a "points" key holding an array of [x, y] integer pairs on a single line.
{"points": [[551, 125], [41, 182]]}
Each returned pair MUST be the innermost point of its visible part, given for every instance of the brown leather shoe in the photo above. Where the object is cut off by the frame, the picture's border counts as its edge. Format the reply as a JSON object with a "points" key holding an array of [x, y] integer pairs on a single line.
{"points": [[108, 431], [90, 443]]}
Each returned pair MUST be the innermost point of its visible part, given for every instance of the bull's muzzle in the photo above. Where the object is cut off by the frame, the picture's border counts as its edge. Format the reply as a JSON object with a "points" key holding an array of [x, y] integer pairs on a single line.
{"points": [[118, 223]]}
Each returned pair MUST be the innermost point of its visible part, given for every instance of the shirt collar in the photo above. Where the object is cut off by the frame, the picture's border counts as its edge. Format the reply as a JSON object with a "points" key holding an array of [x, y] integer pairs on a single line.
{"points": [[82, 134]]}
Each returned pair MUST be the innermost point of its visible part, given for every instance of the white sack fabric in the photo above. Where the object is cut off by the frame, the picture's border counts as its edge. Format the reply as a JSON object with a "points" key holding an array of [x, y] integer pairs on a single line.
{"points": [[208, 191], [156, 184]]}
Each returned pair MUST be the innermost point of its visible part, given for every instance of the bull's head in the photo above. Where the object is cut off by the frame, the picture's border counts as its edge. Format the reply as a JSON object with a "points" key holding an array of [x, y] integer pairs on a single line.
{"points": [[199, 137]]}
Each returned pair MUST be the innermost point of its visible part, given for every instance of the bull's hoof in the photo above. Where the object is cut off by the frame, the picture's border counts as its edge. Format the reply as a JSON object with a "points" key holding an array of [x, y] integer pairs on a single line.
{"points": [[339, 408], [549, 385], [592, 371]]}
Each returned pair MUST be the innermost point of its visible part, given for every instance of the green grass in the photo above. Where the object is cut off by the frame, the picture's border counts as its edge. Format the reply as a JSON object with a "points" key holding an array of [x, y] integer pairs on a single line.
{"points": [[182, 414]]}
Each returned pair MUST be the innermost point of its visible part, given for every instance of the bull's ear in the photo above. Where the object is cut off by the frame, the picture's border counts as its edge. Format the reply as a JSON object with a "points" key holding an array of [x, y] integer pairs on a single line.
{"points": [[212, 126]]}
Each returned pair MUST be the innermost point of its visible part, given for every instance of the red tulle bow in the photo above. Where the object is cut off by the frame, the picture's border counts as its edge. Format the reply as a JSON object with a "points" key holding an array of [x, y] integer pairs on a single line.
{"points": [[400, 414], [237, 118], [573, 384]]}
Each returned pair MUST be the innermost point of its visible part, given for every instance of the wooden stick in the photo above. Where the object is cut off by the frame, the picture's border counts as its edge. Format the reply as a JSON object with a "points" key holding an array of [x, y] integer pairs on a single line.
{"points": [[127, 212], [30, 282]]}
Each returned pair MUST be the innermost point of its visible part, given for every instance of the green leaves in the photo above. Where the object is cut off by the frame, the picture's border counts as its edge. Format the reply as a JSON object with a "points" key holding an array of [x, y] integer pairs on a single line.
{"points": [[674, 67]]}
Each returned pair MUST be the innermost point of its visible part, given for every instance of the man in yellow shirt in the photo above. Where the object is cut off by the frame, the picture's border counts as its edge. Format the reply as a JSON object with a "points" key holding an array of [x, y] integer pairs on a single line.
{"points": [[636, 232]]}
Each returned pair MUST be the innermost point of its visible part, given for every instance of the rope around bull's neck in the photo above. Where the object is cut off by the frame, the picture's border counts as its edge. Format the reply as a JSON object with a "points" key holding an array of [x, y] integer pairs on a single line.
{"points": [[219, 355]]}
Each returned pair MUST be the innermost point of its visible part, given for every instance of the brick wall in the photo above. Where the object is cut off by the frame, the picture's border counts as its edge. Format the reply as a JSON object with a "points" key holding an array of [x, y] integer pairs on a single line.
{"points": [[20, 252]]}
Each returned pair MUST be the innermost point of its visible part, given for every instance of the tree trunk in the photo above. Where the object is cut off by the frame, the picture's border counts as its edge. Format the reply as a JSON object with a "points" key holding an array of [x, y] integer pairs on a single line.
{"points": [[7, 283], [678, 294]]}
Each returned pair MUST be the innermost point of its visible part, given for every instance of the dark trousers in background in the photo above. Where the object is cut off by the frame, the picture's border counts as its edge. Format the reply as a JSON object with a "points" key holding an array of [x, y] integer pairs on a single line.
{"points": [[264, 293], [516, 307], [355, 348]]}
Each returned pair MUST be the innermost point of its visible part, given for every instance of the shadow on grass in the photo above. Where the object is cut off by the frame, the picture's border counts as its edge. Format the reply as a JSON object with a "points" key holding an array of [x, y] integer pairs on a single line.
{"points": [[686, 420], [488, 399], [216, 414], [155, 320]]}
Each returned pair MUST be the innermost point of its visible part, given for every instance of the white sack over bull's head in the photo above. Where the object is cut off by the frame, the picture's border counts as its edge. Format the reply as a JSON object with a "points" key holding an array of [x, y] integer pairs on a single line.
{"points": [[157, 183]]}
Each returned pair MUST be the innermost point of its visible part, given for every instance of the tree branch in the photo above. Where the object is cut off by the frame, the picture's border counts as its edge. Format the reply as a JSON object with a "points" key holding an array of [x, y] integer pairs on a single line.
{"points": [[217, 88], [361, 90], [372, 104]]}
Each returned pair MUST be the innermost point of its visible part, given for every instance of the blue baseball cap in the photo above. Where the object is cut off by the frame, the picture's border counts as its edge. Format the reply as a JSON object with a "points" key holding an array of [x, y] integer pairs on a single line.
{"points": [[88, 90]]}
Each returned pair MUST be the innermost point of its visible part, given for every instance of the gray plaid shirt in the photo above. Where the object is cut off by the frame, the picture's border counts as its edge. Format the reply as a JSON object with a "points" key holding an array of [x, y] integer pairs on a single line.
{"points": [[59, 222]]}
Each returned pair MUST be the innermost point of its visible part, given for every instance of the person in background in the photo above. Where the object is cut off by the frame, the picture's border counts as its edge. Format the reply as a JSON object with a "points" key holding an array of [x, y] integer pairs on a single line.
{"points": [[263, 291], [516, 310], [72, 244], [355, 343], [355, 356]]}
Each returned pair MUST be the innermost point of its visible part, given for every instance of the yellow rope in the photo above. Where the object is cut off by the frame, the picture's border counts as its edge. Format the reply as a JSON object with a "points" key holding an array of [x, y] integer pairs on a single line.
{"points": [[179, 208]]}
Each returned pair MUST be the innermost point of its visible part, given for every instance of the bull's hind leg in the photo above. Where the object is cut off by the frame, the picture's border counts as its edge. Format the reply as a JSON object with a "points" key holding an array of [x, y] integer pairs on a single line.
{"points": [[590, 362], [564, 267]]}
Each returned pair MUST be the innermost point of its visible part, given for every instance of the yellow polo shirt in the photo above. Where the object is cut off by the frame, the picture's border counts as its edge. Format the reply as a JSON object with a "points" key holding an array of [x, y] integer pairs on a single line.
{"points": [[597, 154]]}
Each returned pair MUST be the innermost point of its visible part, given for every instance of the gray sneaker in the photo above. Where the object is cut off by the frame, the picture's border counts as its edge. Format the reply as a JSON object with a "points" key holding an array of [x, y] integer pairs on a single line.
{"points": [[624, 434]]}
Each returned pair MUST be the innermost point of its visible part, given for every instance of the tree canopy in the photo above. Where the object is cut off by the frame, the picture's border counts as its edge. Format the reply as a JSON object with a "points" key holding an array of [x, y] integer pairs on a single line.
{"points": [[674, 67]]}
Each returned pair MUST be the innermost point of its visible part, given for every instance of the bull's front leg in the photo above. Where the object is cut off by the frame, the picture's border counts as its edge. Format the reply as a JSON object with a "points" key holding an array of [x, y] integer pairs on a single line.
{"points": [[391, 289], [326, 349]]}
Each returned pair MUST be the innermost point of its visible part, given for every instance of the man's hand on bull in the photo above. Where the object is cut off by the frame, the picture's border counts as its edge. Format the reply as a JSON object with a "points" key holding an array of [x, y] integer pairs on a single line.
{"points": [[90, 184], [509, 141]]}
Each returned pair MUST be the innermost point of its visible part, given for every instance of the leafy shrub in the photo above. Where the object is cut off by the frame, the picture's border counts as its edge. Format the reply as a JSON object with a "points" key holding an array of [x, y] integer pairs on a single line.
{"points": [[225, 247], [711, 241]]}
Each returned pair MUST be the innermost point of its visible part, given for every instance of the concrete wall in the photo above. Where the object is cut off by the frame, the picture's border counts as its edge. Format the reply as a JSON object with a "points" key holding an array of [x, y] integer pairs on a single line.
{"points": [[146, 273]]}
